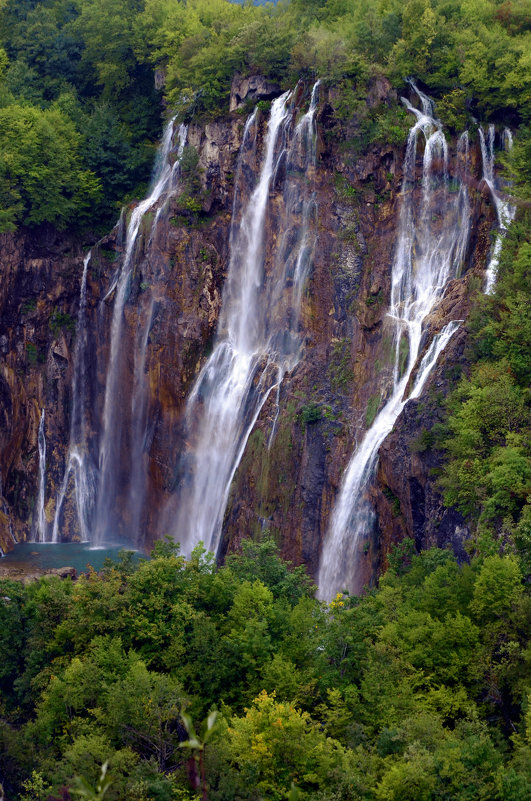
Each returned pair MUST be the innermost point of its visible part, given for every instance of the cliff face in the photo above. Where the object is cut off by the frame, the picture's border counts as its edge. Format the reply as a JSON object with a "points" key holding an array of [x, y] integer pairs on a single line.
{"points": [[291, 468], [38, 297]]}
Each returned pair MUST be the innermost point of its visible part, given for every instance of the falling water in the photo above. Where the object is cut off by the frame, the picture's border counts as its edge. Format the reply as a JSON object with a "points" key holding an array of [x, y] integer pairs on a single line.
{"points": [[79, 465], [432, 244], [110, 442], [258, 330], [140, 395], [40, 523], [504, 209]]}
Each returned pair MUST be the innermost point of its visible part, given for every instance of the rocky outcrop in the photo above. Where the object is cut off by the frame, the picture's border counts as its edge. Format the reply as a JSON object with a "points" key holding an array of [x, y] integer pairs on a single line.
{"points": [[250, 89], [30, 574]]}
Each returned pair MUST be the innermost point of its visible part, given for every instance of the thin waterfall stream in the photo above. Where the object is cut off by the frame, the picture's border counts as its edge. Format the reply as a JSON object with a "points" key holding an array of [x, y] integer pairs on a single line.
{"points": [[504, 209], [41, 514], [258, 336], [432, 242], [78, 463]]}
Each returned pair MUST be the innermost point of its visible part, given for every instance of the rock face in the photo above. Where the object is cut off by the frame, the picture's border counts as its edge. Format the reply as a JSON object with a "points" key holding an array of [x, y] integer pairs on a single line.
{"points": [[252, 88], [291, 468]]}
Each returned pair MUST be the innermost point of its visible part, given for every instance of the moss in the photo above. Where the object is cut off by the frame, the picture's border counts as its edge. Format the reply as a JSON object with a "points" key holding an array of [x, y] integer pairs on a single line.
{"points": [[393, 500], [339, 370], [32, 353], [345, 190], [372, 410], [106, 253], [375, 299], [311, 413], [387, 349], [28, 306], [61, 321], [403, 353]]}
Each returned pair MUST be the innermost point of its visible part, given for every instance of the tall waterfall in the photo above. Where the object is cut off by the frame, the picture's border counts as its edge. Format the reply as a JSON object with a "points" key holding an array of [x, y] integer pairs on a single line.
{"points": [[106, 521], [79, 466], [40, 522], [504, 209], [95, 485], [257, 338], [432, 243], [140, 395]]}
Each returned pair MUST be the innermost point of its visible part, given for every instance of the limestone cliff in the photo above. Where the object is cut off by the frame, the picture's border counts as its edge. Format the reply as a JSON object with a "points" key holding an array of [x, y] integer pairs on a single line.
{"points": [[291, 468]]}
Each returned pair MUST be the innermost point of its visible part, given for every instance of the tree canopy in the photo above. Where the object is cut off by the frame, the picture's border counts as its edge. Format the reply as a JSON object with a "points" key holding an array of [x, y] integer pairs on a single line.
{"points": [[94, 62], [416, 690]]}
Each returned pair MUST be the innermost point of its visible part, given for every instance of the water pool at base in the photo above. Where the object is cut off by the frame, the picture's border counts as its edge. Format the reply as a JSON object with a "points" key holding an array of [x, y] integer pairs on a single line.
{"points": [[28, 556]]}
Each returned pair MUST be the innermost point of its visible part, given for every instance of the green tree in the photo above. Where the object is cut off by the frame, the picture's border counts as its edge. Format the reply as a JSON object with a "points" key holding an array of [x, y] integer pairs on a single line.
{"points": [[40, 169]]}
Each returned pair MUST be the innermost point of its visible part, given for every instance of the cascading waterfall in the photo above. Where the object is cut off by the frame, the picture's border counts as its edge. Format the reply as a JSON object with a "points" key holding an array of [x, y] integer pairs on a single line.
{"points": [[140, 395], [79, 465], [40, 522], [257, 338], [110, 443], [504, 209], [432, 245]]}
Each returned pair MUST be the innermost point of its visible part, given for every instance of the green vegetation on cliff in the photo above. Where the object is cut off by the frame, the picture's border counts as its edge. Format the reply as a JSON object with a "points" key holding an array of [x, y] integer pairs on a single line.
{"points": [[416, 691]]}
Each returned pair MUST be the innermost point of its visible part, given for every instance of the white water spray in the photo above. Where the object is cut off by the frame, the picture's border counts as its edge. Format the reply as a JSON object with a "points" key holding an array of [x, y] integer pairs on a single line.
{"points": [[432, 244]]}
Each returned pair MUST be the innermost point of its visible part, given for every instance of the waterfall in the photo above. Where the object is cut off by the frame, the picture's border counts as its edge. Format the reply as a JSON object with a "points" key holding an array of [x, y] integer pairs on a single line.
{"points": [[40, 523], [257, 339], [432, 244], [140, 396], [111, 437], [505, 211], [79, 465]]}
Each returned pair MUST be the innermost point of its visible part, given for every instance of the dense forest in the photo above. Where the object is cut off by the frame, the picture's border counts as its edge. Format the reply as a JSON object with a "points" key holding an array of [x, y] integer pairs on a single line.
{"points": [[232, 682], [416, 691]]}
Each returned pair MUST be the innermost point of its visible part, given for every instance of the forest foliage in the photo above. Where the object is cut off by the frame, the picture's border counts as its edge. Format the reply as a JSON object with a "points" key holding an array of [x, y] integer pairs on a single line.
{"points": [[417, 691], [88, 66]]}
